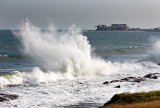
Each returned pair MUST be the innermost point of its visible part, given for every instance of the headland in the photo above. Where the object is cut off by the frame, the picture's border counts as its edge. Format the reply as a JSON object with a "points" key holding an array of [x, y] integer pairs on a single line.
{"points": [[123, 27]]}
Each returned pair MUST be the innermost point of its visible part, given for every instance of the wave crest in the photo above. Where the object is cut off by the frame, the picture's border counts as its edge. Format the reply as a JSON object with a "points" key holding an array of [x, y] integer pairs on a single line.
{"points": [[67, 52]]}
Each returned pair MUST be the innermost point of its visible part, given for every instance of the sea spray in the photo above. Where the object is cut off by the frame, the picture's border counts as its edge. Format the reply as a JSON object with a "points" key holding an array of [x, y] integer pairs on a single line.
{"points": [[154, 53], [67, 52]]}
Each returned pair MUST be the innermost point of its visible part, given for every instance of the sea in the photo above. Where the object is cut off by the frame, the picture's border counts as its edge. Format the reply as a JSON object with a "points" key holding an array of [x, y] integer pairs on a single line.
{"points": [[67, 68]]}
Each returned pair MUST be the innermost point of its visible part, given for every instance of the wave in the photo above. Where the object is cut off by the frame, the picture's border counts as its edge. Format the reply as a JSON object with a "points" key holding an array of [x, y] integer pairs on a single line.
{"points": [[67, 52], [65, 55], [121, 50], [154, 53], [37, 75]]}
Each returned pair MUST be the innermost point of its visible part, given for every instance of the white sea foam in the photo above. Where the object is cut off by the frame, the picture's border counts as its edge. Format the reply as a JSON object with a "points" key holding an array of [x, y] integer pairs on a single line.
{"points": [[37, 75], [154, 53]]}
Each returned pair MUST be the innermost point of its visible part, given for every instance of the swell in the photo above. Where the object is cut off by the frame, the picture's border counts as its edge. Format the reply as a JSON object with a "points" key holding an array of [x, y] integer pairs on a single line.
{"points": [[12, 57]]}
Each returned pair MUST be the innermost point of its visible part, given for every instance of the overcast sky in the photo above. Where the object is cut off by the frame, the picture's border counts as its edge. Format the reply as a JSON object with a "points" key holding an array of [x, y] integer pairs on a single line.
{"points": [[84, 13]]}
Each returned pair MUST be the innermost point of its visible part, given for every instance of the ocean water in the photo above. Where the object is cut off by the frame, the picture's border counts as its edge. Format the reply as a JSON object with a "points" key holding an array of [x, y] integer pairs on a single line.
{"points": [[50, 69]]}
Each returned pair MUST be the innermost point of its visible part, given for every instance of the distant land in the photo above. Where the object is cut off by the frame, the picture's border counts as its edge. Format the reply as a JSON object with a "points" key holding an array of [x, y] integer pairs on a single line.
{"points": [[123, 27]]}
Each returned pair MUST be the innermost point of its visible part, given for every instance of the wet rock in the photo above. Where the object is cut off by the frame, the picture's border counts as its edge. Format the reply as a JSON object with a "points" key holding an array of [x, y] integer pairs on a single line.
{"points": [[135, 79], [106, 82], [148, 76], [128, 79], [138, 80], [80, 83], [151, 76], [124, 79], [155, 77], [13, 85], [2, 99], [7, 97], [117, 86], [115, 81]]}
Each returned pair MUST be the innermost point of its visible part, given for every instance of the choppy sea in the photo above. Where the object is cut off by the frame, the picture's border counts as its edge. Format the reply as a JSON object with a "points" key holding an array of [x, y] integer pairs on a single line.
{"points": [[49, 68]]}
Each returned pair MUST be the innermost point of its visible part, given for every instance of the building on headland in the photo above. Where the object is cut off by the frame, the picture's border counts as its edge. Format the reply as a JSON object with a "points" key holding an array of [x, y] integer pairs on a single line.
{"points": [[119, 27], [113, 27], [123, 27]]}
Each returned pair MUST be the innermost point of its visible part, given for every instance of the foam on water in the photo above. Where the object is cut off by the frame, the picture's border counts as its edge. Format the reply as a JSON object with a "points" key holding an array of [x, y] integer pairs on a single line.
{"points": [[38, 75], [73, 92], [154, 53]]}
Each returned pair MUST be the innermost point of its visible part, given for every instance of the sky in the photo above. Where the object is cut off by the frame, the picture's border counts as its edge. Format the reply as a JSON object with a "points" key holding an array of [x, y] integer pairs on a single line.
{"points": [[83, 13]]}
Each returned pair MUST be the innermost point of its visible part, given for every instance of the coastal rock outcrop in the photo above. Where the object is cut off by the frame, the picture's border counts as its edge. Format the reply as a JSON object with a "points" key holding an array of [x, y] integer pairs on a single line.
{"points": [[152, 76], [135, 79], [117, 86]]}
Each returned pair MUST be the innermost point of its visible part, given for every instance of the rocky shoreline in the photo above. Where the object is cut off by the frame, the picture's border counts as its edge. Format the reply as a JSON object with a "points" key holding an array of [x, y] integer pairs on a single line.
{"points": [[8, 97], [129, 79], [134, 79]]}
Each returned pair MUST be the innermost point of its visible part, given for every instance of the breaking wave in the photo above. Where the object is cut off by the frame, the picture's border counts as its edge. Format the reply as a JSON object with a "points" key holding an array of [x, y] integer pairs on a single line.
{"points": [[154, 53], [67, 52], [65, 55], [37, 75]]}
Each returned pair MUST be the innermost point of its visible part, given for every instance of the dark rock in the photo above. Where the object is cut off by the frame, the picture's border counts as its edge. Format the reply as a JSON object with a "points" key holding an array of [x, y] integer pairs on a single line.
{"points": [[131, 77], [80, 83], [13, 85], [128, 79], [2, 99], [106, 82], [155, 77], [125, 79], [139, 79], [151, 76], [117, 86], [135, 79], [115, 81], [148, 76], [7, 97]]}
